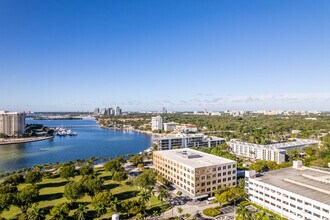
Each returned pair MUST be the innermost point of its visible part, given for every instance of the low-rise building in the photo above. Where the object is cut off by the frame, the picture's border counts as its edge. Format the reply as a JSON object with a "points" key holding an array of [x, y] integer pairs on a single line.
{"points": [[170, 126], [198, 174], [12, 123], [295, 193], [187, 128], [167, 142], [272, 152]]}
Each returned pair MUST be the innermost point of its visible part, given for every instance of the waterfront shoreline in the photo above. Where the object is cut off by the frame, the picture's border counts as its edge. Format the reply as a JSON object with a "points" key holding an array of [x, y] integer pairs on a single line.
{"points": [[23, 140]]}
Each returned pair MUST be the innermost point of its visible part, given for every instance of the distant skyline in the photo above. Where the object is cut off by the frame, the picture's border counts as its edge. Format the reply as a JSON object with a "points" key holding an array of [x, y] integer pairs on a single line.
{"points": [[183, 55]]}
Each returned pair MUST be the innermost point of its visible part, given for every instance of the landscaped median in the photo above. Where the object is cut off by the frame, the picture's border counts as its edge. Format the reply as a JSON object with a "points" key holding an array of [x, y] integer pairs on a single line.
{"points": [[211, 212]]}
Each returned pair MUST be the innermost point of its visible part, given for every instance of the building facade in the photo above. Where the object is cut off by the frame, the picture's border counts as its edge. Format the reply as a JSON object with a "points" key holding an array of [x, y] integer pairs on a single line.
{"points": [[187, 128], [156, 123], [170, 126], [118, 111], [168, 142], [272, 152], [294, 193], [12, 123], [198, 174]]}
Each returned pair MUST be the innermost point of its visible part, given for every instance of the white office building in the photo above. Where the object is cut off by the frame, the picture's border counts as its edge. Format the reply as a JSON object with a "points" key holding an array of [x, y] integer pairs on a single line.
{"points": [[12, 123], [294, 193], [156, 123], [168, 142], [272, 152]]}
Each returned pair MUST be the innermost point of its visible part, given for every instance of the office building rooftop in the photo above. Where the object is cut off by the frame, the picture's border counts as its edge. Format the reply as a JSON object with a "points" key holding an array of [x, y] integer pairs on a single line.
{"points": [[307, 182], [193, 158]]}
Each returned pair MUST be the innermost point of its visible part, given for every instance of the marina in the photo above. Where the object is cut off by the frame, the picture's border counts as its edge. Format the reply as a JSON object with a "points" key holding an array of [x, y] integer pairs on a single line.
{"points": [[90, 141]]}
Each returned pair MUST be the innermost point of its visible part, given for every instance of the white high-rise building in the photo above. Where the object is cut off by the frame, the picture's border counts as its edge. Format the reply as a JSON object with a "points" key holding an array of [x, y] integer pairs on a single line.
{"points": [[12, 123], [156, 123], [118, 111]]}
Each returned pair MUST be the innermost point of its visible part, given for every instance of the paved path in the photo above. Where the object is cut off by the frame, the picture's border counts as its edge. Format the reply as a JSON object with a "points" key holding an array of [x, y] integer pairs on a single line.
{"points": [[191, 208]]}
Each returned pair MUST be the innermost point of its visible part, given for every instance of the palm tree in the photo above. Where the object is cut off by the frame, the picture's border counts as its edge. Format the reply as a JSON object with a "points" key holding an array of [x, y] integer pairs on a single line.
{"points": [[100, 209], [243, 212], [145, 196], [114, 204], [162, 194], [180, 210], [36, 213], [80, 212], [261, 215]]}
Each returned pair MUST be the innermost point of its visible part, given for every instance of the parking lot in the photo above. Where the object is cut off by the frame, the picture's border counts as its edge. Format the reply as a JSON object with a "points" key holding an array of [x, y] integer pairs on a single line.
{"points": [[226, 210]]}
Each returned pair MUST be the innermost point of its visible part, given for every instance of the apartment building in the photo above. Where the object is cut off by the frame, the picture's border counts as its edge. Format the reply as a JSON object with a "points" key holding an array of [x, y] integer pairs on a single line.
{"points": [[157, 123], [167, 142], [272, 152], [170, 126], [296, 192], [12, 123], [198, 174]]}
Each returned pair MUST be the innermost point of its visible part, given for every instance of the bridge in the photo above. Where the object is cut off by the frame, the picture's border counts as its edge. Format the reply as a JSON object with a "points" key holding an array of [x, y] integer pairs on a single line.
{"points": [[78, 126]]}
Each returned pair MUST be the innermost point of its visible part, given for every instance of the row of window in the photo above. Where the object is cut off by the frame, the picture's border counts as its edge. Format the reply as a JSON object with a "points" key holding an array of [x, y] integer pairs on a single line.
{"points": [[288, 197], [294, 204]]}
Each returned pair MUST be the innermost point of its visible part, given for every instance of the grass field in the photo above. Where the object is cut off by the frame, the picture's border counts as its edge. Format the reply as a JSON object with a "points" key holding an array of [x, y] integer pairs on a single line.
{"points": [[51, 193]]}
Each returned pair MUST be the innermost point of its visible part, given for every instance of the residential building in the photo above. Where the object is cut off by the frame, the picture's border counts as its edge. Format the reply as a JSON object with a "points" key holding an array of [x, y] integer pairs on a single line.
{"points": [[187, 128], [296, 192], [118, 111], [96, 111], [170, 126], [198, 174], [164, 110], [156, 123], [12, 123], [273, 152], [103, 111], [108, 111], [167, 142]]}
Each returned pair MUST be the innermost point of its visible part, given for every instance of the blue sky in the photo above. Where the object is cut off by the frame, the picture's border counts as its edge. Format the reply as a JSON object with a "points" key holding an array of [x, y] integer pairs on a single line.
{"points": [[185, 55]]}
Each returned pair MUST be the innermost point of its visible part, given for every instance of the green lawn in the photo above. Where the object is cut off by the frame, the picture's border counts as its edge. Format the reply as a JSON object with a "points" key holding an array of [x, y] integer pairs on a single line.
{"points": [[52, 190]]}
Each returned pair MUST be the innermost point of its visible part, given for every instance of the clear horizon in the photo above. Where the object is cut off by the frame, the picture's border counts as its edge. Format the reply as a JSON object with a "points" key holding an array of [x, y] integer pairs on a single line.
{"points": [[182, 55]]}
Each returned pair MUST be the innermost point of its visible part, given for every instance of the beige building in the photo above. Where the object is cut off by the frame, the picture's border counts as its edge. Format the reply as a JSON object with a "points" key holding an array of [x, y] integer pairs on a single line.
{"points": [[198, 174], [12, 123]]}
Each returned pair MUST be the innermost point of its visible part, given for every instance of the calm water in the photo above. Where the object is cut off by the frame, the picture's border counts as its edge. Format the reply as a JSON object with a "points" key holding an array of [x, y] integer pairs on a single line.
{"points": [[91, 141]]}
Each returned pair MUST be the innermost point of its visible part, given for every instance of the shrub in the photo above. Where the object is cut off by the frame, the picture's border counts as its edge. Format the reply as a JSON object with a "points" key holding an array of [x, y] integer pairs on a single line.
{"points": [[119, 176], [212, 212]]}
